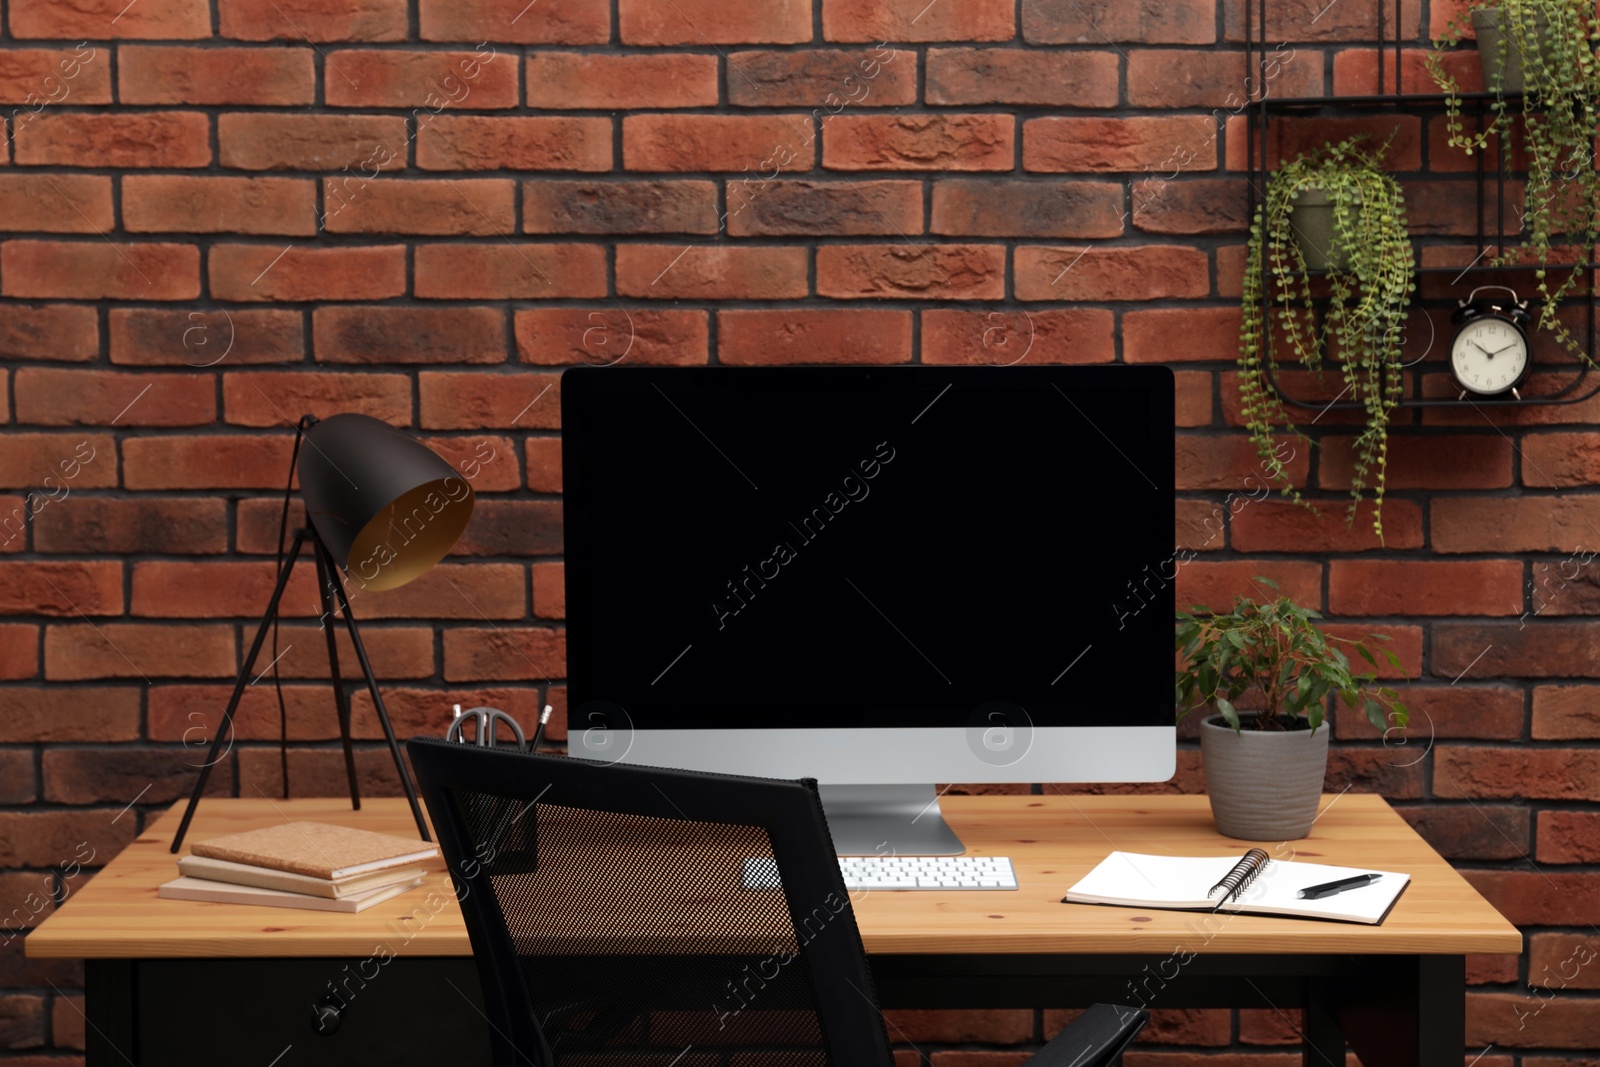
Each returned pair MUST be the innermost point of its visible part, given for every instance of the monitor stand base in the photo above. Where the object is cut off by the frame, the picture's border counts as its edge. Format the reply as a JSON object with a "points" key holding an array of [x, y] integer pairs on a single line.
{"points": [[888, 820]]}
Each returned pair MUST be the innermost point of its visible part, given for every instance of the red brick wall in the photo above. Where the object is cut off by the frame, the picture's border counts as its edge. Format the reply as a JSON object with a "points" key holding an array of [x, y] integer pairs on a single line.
{"points": [[220, 214]]}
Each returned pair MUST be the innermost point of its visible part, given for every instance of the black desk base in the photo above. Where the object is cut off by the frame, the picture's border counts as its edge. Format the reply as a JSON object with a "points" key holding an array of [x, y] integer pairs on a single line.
{"points": [[1395, 1011]]}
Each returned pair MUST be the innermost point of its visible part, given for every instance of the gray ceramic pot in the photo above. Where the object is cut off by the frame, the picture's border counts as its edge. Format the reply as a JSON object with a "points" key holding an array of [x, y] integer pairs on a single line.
{"points": [[1311, 222], [1264, 785], [1505, 73]]}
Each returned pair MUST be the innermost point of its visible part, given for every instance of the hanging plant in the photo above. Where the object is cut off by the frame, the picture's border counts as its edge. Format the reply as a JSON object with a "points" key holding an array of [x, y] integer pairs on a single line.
{"points": [[1365, 251], [1544, 50]]}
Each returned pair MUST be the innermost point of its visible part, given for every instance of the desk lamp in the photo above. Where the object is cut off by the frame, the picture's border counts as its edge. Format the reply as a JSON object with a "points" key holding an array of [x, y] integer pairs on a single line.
{"points": [[382, 508]]}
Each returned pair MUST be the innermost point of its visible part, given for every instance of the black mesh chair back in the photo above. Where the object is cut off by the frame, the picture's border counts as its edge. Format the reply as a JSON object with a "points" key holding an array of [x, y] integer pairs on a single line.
{"points": [[626, 916]]}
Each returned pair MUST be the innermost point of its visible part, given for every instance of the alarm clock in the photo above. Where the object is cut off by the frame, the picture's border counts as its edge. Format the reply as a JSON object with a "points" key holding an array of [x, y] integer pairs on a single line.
{"points": [[1489, 352]]}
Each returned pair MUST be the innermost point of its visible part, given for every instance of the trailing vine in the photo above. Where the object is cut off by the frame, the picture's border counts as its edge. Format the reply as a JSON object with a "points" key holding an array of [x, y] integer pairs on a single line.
{"points": [[1555, 41], [1368, 290]]}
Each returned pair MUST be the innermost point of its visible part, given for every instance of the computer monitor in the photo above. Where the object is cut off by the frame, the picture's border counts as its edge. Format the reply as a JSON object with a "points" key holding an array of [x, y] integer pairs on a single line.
{"points": [[880, 578]]}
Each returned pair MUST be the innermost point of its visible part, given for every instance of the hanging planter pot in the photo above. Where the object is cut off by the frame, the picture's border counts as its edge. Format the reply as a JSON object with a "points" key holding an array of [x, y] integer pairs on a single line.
{"points": [[1499, 54], [1311, 222]]}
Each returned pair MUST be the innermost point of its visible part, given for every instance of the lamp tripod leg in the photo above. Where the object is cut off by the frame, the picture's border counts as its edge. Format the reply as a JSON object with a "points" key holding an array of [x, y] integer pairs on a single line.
{"points": [[226, 728], [377, 704], [341, 700]]}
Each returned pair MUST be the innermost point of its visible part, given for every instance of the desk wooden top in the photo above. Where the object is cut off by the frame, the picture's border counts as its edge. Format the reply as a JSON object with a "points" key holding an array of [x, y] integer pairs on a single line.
{"points": [[1052, 841]]}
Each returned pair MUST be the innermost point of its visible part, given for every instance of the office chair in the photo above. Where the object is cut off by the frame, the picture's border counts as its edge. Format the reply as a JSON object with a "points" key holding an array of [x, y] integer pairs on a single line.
{"points": [[638, 917]]}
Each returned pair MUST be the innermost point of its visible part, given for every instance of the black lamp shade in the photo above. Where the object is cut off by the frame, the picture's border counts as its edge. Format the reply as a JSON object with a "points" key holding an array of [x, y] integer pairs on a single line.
{"points": [[386, 506]]}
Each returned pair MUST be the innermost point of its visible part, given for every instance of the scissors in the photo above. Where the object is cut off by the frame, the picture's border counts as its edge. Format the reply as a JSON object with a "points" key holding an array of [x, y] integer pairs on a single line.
{"points": [[486, 719]]}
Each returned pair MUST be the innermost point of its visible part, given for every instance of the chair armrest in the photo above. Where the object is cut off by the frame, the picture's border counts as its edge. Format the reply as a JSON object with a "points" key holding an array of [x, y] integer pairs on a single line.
{"points": [[1095, 1038]]}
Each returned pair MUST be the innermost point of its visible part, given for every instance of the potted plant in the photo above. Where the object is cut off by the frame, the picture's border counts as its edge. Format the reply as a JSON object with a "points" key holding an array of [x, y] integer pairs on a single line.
{"points": [[1538, 59], [1265, 765], [1334, 211]]}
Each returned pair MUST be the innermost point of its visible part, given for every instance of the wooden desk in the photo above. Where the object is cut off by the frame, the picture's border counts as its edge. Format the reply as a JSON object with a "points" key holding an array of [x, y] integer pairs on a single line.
{"points": [[1395, 991]]}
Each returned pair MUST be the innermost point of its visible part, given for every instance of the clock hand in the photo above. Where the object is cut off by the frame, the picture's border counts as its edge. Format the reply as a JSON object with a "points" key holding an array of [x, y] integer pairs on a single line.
{"points": [[1485, 351], [1507, 348]]}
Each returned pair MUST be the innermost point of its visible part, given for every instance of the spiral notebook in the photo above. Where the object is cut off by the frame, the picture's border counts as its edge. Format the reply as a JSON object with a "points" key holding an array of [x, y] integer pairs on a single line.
{"points": [[1254, 883]]}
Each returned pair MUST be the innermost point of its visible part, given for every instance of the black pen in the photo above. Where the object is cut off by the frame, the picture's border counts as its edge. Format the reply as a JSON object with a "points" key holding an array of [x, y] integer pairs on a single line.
{"points": [[1328, 889]]}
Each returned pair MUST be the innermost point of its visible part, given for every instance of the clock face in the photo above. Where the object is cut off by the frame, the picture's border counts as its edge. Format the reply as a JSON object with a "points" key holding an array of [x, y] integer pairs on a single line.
{"points": [[1489, 355]]}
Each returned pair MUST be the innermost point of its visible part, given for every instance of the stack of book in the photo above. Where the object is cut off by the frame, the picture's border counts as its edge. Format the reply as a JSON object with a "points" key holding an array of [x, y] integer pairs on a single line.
{"points": [[310, 865]]}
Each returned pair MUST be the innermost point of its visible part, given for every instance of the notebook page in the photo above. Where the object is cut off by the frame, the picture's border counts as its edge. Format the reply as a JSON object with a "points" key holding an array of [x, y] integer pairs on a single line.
{"points": [[1136, 879], [1276, 892]]}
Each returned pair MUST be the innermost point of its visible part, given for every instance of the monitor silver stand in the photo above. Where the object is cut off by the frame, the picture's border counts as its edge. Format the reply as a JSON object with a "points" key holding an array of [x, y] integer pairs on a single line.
{"points": [[888, 820]]}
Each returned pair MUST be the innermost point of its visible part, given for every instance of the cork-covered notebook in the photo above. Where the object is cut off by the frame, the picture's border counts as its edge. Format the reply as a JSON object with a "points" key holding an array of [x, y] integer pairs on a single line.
{"points": [[315, 849]]}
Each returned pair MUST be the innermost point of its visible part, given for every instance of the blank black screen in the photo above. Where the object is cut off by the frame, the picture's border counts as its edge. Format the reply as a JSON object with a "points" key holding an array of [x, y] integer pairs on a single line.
{"points": [[850, 547]]}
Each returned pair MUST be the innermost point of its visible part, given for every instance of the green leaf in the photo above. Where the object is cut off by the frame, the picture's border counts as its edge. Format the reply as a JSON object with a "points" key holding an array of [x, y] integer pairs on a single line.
{"points": [[1229, 715]]}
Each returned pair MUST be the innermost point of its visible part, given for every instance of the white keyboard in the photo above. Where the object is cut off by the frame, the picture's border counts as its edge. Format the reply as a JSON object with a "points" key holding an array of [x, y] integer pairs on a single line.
{"points": [[927, 872]]}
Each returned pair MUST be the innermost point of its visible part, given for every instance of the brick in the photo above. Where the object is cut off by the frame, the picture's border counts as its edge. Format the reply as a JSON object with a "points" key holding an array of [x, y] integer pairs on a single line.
{"points": [[138, 524], [925, 272], [1424, 587], [711, 272], [19, 652], [79, 588], [1515, 524], [846, 335], [506, 271], [100, 270], [192, 713], [67, 333], [18, 785], [607, 207], [1011, 208], [225, 462], [55, 714], [781, 143], [1569, 837], [1223, 462], [30, 75], [1141, 143], [1266, 1026], [549, 591], [1215, 78], [299, 141], [909, 20], [479, 80], [569, 80], [1442, 712], [258, 272], [1008, 1027], [555, 336], [57, 461], [269, 398], [1079, 21], [701, 22], [800, 208], [1006, 337], [1373, 771], [482, 206], [1523, 1019], [524, 142], [939, 142], [472, 400], [1355, 72], [1190, 206], [505, 653], [1551, 649], [1563, 961], [177, 75], [1566, 712], [1510, 773], [68, 1022], [395, 652], [1461, 832], [1313, 21], [544, 464], [1290, 137], [516, 528], [1477, 417], [409, 335], [317, 772], [75, 651], [26, 899], [161, 337], [1148, 272], [101, 19], [1193, 397], [185, 204], [1057, 78], [1216, 584], [96, 775], [1261, 525], [511, 21], [829, 77], [119, 140], [55, 203], [47, 396], [478, 590], [1560, 460], [308, 20]]}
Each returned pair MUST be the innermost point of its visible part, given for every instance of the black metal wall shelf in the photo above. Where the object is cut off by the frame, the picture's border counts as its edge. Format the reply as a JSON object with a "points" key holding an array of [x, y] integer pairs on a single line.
{"points": [[1490, 179]]}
